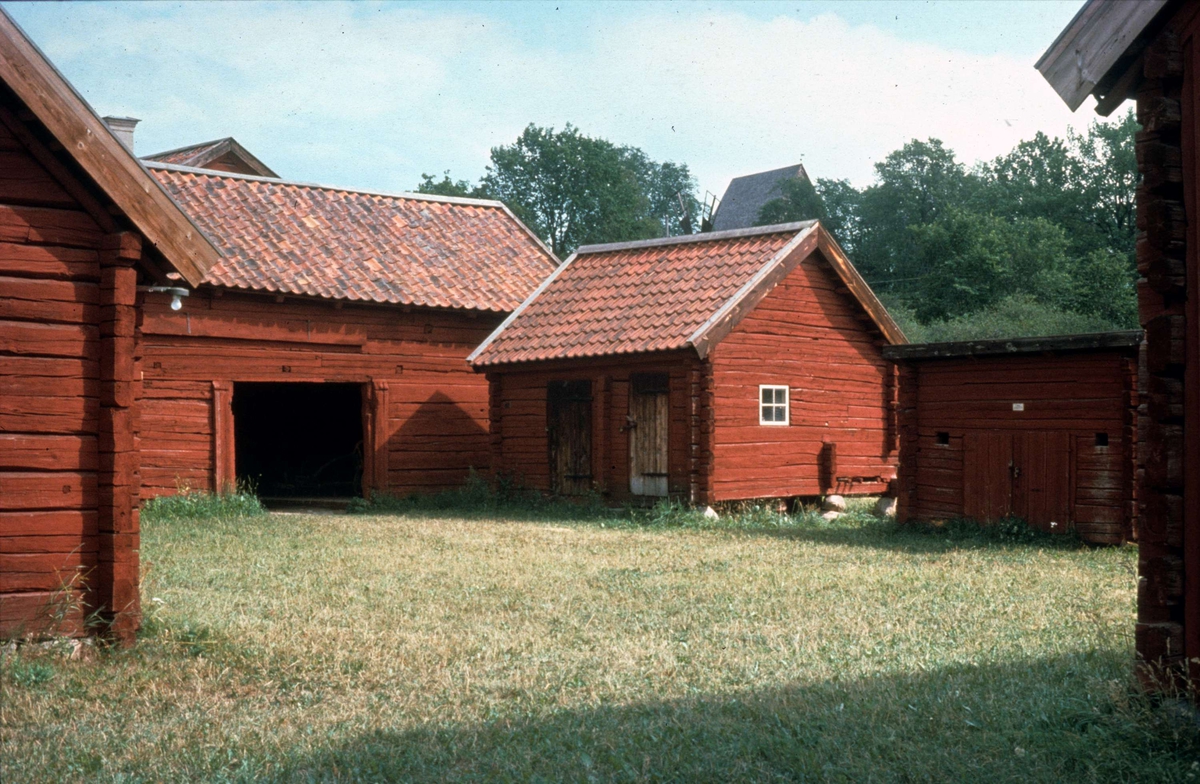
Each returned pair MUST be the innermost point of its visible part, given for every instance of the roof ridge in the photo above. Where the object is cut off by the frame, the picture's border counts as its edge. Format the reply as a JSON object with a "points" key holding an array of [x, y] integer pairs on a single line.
{"points": [[709, 236], [195, 146], [464, 200]]}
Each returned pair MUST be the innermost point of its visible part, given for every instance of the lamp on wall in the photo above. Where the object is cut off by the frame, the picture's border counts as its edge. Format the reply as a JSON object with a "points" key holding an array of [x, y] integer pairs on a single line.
{"points": [[177, 293]]}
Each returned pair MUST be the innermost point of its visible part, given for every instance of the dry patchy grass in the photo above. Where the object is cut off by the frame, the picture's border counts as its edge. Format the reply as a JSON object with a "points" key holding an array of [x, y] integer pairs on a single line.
{"points": [[421, 648]]}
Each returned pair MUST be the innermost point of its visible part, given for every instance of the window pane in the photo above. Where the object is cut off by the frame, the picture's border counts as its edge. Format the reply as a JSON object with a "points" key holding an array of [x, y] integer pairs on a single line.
{"points": [[766, 396]]}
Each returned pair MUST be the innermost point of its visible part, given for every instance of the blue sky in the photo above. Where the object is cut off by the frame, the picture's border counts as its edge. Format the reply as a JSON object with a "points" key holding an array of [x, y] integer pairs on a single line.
{"points": [[372, 95]]}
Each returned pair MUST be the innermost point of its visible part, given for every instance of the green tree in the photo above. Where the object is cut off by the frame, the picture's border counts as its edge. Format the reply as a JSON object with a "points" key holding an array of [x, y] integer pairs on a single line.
{"points": [[1107, 154], [914, 185], [449, 187], [842, 203], [798, 201], [573, 189], [974, 260], [671, 191]]}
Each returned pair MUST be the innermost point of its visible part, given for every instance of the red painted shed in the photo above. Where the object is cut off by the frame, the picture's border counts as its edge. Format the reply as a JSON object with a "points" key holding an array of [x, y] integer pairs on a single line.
{"points": [[81, 225], [1037, 428], [324, 355], [1148, 51], [713, 367]]}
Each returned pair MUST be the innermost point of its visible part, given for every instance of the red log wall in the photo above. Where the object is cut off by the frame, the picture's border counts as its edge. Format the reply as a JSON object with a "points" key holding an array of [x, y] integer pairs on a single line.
{"points": [[1073, 396], [1168, 251], [809, 334], [520, 447], [412, 363], [68, 472]]}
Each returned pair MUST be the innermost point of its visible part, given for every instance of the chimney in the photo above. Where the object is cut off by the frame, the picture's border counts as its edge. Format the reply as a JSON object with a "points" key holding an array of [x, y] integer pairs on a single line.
{"points": [[122, 128]]}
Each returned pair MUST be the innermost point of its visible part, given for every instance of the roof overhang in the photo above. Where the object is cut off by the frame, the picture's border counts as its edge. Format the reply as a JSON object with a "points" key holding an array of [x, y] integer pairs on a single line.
{"points": [[90, 143], [1099, 52]]}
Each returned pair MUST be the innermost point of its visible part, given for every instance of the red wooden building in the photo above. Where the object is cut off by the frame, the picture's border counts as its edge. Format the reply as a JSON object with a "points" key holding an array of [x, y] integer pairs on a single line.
{"points": [[714, 367], [1037, 428], [1149, 51], [324, 355], [82, 224]]}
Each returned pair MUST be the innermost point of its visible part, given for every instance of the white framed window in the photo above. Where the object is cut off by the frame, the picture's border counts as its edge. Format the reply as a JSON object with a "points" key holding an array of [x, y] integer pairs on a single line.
{"points": [[772, 405]]}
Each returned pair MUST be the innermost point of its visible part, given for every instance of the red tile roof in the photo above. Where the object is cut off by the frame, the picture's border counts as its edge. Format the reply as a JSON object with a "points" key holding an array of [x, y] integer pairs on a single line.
{"points": [[406, 249], [636, 297]]}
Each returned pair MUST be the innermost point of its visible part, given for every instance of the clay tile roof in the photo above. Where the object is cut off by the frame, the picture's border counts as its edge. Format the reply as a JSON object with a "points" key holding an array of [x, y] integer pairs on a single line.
{"points": [[636, 297], [408, 249]]}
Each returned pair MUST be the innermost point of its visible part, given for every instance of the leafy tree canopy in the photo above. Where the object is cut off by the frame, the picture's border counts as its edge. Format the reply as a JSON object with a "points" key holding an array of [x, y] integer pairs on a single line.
{"points": [[1052, 222], [572, 189]]}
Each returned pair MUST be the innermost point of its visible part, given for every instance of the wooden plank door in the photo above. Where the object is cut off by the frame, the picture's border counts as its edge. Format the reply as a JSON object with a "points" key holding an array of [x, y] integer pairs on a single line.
{"points": [[649, 415], [569, 436], [1042, 480], [987, 475]]}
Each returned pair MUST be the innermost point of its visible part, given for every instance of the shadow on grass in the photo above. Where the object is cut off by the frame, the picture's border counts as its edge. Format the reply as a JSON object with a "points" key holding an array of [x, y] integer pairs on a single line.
{"points": [[510, 501], [1052, 720]]}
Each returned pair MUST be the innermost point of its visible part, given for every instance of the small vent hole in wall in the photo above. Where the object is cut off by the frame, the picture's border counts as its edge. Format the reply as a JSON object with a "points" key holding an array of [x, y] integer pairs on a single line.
{"points": [[943, 439], [1102, 439]]}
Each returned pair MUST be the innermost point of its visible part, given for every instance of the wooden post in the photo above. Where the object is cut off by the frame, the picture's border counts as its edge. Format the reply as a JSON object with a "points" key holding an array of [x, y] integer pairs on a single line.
{"points": [[115, 584], [603, 470], [1168, 629], [380, 436], [224, 446], [907, 442], [496, 424], [707, 435]]}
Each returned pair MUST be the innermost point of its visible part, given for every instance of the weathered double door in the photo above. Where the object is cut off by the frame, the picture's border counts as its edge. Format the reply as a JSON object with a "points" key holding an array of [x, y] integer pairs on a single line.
{"points": [[1026, 475]]}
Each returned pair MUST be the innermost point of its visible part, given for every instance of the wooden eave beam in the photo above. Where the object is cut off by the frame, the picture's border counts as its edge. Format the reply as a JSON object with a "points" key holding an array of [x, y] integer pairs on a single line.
{"points": [[1124, 88], [86, 138], [1093, 43]]}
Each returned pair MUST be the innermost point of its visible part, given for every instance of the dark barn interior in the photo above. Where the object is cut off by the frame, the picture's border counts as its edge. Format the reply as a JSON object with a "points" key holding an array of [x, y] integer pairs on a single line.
{"points": [[299, 440]]}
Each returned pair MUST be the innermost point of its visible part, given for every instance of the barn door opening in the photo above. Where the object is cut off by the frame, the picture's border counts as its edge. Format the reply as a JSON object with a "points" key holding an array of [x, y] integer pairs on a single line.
{"points": [[299, 440], [569, 435], [649, 414]]}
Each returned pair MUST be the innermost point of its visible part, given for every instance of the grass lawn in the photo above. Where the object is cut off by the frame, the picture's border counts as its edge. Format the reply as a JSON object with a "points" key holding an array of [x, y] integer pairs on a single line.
{"points": [[438, 648]]}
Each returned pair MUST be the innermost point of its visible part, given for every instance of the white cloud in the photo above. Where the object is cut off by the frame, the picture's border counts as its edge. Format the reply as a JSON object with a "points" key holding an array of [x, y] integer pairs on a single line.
{"points": [[375, 95]]}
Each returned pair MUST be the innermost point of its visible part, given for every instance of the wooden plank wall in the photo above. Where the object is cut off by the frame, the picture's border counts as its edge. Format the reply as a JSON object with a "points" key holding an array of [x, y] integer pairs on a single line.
{"points": [[1071, 395], [437, 423], [52, 397], [811, 335], [1168, 253], [521, 451]]}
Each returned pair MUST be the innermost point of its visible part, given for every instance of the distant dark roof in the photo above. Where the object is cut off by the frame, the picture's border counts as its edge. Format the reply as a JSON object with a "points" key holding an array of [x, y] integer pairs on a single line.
{"points": [[1000, 346], [745, 197], [219, 155]]}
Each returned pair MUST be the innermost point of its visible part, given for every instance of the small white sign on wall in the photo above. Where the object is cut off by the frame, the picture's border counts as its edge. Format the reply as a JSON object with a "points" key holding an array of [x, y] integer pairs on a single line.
{"points": [[1018, 406]]}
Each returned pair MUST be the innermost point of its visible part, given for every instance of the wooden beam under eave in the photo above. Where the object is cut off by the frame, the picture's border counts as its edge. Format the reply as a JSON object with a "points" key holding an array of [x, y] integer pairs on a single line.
{"points": [[1123, 89], [1095, 40], [86, 138]]}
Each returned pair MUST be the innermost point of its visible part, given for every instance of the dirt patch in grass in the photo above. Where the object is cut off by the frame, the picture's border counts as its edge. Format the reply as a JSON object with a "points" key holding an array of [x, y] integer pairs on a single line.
{"points": [[436, 648]]}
